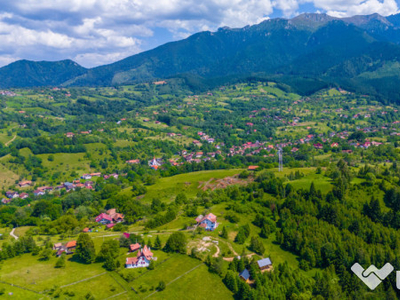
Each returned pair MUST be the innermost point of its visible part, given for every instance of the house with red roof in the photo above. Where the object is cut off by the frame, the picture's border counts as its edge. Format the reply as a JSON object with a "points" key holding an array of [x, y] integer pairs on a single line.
{"points": [[66, 248], [103, 219], [25, 183], [142, 259], [318, 146], [70, 245], [110, 218], [116, 217], [208, 222], [133, 161], [252, 168], [23, 195], [134, 247]]}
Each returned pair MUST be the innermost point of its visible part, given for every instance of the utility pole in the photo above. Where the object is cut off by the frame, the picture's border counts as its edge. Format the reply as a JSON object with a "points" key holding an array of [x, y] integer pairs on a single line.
{"points": [[280, 160]]}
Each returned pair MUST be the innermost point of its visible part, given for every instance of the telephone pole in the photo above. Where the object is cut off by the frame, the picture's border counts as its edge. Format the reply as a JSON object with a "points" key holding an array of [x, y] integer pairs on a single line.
{"points": [[280, 160]]}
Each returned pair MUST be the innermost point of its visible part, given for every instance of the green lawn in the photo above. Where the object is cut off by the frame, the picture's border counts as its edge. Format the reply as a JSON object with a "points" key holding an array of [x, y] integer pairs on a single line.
{"points": [[66, 163], [20, 231], [167, 271], [167, 188], [16, 293], [27, 271], [7, 176], [320, 181], [198, 284], [101, 287]]}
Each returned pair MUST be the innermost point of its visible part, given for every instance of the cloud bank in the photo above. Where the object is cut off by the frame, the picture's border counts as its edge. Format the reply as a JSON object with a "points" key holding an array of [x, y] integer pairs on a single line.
{"points": [[95, 32]]}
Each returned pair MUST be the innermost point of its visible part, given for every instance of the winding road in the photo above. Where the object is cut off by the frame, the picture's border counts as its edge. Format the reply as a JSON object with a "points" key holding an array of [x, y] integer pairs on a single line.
{"points": [[10, 141], [13, 235]]}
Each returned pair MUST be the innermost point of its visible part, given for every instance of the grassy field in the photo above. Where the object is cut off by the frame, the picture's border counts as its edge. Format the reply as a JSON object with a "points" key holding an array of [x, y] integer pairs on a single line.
{"points": [[167, 271], [36, 275], [16, 293], [4, 138], [7, 176], [198, 284], [182, 275], [320, 181], [66, 163], [20, 231], [102, 287], [167, 188]]}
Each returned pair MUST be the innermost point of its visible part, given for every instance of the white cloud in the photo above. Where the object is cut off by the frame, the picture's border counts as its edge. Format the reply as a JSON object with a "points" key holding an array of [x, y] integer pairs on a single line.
{"points": [[101, 31], [358, 7], [95, 58], [7, 59]]}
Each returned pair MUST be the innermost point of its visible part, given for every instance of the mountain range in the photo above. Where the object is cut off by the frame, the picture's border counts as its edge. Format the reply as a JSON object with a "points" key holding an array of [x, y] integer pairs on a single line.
{"points": [[310, 51]]}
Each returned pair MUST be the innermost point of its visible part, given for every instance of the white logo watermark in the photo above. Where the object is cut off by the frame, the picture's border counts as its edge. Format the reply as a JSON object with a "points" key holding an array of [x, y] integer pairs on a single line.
{"points": [[373, 276]]}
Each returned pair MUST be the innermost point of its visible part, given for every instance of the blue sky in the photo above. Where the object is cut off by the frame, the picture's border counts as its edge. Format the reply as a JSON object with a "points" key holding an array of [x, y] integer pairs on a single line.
{"points": [[96, 32]]}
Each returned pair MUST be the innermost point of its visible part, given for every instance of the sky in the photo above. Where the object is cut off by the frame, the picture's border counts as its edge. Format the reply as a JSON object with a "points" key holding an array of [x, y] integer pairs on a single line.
{"points": [[97, 32]]}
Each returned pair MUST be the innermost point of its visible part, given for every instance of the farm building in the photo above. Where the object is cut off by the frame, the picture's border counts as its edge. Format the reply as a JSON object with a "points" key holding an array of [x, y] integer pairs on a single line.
{"points": [[245, 275], [264, 264], [142, 259]]}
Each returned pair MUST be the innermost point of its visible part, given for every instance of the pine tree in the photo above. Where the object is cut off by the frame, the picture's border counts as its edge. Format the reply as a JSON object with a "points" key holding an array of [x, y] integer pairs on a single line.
{"points": [[375, 210], [241, 265], [257, 246], [224, 233], [230, 281], [157, 243], [151, 265], [313, 191], [85, 250], [111, 263], [265, 231], [240, 237], [244, 290]]}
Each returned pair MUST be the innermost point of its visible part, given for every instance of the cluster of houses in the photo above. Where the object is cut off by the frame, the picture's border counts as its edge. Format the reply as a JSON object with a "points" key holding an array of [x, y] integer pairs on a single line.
{"points": [[106, 176], [14, 195], [71, 134], [40, 191], [110, 218], [205, 137], [68, 186], [7, 93]]}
